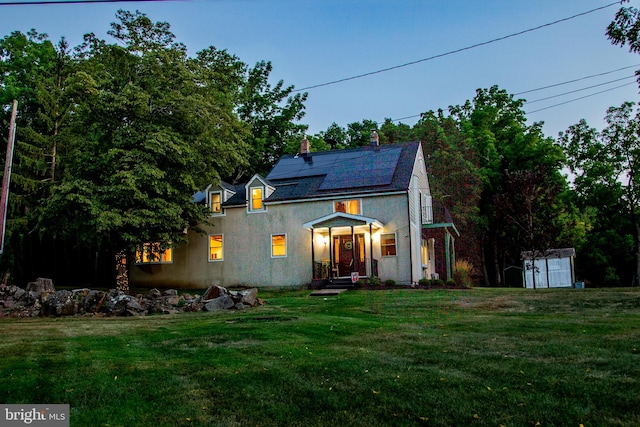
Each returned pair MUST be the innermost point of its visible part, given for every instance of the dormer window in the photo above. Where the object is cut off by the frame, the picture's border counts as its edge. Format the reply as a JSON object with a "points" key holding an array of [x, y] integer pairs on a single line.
{"points": [[348, 206], [256, 199], [258, 191], [215, 202]]}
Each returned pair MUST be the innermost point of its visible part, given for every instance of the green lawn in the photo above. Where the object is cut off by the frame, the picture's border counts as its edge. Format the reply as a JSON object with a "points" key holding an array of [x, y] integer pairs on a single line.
{"points": [[482, 357]]}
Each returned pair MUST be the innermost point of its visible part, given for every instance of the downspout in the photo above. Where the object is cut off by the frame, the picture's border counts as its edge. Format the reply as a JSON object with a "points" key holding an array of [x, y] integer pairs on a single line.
{"points": [[447, 253]]}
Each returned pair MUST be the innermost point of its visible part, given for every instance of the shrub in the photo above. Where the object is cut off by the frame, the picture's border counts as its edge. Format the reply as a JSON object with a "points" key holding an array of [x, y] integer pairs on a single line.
{"points": [[424, 282], [462, 272], [390, 282], [373, 281], [451, 284]]}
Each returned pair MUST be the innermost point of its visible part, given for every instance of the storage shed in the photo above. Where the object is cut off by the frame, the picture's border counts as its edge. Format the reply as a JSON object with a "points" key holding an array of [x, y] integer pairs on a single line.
{"points": [[554, 268]]}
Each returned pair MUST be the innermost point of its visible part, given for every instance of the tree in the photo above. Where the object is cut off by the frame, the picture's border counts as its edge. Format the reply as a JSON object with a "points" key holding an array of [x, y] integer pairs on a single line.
{"points": [[625, 30], [271, 112], [607, 163], [494, 124], [155, 130]]}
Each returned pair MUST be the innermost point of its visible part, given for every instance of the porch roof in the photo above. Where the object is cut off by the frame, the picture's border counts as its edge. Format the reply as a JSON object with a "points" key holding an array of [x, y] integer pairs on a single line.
{"points": [[341, 219]]}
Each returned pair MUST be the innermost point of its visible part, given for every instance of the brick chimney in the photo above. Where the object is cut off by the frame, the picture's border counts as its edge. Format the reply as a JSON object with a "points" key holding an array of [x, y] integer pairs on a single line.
{"points": [[305, 147], [375, 140]]}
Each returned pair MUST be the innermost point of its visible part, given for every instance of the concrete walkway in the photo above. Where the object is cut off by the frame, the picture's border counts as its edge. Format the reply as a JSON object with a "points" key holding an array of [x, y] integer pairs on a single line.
{"points": [[326, 292]]}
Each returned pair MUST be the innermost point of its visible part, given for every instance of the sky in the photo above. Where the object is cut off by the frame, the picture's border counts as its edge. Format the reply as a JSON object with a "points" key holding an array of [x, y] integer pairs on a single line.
{"points": [[312, 42]]}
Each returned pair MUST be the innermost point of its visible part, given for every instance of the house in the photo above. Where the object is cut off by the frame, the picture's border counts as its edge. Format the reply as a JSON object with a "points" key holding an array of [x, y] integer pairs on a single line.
{"points": [[317, 216], [553, 268]]}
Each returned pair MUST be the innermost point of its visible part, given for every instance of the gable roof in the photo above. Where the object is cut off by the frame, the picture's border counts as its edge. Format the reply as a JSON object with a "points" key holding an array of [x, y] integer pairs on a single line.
{"points": [[342, 172]]}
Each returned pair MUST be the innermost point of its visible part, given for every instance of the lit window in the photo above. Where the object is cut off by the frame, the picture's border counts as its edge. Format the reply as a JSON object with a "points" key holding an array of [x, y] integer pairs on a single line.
{"points": [[388, 244], [216, 202], [216, 246], [153, 253], [278, 245], [256, 199], [348, 206]]}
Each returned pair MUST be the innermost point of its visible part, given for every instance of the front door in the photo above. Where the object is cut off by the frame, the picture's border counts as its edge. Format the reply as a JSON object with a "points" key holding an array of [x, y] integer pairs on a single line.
{"points": [[349, 255]]}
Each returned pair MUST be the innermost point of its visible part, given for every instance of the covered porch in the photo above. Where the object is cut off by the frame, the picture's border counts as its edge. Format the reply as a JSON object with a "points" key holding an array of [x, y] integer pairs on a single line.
{"points": [[342, 247]]}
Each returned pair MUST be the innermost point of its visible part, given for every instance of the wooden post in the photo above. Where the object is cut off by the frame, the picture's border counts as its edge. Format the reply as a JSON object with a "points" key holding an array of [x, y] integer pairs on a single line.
{"points": [[6, 178]]}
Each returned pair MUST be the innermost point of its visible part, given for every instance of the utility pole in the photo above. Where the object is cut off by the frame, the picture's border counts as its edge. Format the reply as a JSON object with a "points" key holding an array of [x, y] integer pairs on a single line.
{"points": [[6, 178]]}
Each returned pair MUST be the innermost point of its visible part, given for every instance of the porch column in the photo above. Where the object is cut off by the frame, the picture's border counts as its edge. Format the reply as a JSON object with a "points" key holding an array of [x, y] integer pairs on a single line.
{"points": [[371, 249], [330, 255], [313, 258], [353, 251]]}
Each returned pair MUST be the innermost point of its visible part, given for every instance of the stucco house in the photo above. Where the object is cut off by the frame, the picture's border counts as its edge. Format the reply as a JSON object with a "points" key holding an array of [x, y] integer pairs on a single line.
{"points": [[317, 216]]}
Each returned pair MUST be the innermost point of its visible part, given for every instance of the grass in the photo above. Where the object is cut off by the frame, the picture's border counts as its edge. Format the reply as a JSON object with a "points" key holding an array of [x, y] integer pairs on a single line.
{"points": [[481, 357]]}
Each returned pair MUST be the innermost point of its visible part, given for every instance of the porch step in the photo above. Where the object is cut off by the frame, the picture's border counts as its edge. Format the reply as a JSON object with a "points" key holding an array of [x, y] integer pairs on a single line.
{"points": [[340, 284]]}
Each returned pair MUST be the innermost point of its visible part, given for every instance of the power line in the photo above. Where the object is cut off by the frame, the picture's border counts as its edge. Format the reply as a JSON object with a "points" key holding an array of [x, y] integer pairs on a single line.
{"points": [[582, 97], [561, 94], [44, 2], [579, 90], [456, 50], [576, 80]]}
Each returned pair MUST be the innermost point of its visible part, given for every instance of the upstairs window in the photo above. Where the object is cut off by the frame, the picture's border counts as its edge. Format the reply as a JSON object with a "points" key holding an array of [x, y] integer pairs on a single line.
{"points": [[256, 203], [215, 201], [153, 253], [348, 206]]}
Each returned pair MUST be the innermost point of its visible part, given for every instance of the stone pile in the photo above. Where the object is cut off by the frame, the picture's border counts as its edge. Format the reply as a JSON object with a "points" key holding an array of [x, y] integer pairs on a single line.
{"points": [[41, 299]]}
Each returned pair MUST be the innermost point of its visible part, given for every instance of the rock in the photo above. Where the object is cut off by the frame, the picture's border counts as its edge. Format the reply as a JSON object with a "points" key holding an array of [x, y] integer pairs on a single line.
{"points": [[250, 297], [154, 293], [94, 302], [193, 306], [126, 305], [221, 303], [59, 303], [171, 299], [170, 292], [213, 292]]}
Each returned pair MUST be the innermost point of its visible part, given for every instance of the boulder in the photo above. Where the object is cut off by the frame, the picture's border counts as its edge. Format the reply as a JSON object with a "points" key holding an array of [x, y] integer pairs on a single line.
{"points": [[221, 303], [126, 305], [250, 297], [59, 303], [94, 302], [154, 293], [213, 292]]}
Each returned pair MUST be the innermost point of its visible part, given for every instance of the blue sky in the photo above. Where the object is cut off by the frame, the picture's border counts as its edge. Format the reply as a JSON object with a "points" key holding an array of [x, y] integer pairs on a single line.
{"points": [[311, 42]]}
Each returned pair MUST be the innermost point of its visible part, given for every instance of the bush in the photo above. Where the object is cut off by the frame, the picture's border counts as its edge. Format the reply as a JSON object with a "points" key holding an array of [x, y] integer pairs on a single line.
{"points": [[462, 272], [373, 281], [424, 282], [390, 282]]}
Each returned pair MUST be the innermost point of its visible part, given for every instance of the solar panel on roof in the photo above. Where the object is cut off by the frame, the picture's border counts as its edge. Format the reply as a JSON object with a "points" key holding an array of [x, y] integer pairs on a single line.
{"points": [[368, 169]]}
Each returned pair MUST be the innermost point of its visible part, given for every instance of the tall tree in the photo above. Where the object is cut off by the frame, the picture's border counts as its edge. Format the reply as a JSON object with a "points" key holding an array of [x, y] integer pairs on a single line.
{"points": [[495, 126], [607, 162], [272, 113], [154, 131]]}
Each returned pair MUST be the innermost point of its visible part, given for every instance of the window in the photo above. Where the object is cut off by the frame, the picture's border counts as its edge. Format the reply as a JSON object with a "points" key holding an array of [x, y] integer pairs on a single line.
{"points": [[278, 245], [256, 199], [388, 244], [347, 206], [216, 202], [216, 247], [154, 253]]}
